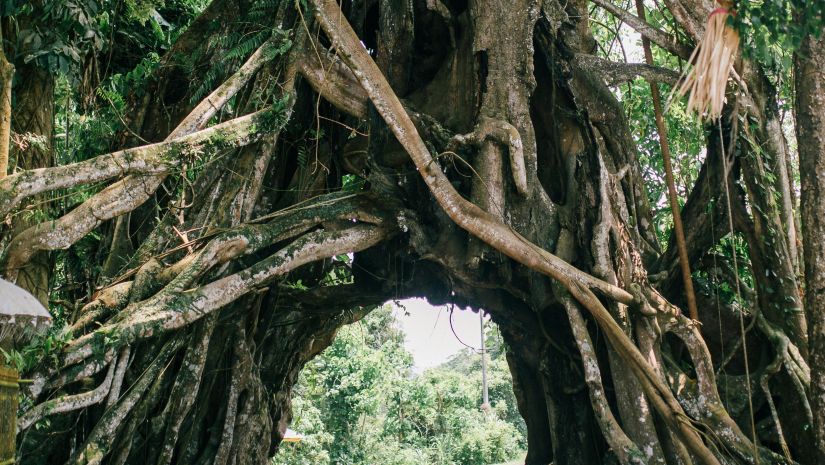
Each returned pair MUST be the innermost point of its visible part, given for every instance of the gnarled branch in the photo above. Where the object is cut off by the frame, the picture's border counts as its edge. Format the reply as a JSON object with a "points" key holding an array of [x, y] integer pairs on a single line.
{"points": [[615, 73], [657, 36]]}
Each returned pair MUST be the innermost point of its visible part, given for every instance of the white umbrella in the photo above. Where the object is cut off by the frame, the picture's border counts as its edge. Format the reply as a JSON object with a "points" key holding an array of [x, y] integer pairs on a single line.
{"points": [[21, 315], [21, 318]]}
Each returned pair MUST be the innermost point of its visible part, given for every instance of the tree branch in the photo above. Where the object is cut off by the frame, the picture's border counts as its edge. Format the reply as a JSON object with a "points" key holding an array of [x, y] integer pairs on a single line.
{"points": [[155, 158], [132, 191], [332, 79], [176, 308], [615, 73], [212, 104], [657, 36]]}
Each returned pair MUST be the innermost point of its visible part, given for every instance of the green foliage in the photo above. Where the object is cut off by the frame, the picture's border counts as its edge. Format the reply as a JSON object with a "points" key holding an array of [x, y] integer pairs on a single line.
{"points": [[277, 115], [484, 443], [775, 28], [142, 10], [43, 349], [686, 138], [239, 42], [339, 273], [352, 183], [359, 403], [76, 38], [104, 340], [314, 447], [76, 28]]}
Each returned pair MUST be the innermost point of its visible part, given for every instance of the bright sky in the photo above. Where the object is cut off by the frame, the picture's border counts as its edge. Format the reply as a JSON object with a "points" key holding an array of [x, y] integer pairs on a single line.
{"points": [[428, 334]]}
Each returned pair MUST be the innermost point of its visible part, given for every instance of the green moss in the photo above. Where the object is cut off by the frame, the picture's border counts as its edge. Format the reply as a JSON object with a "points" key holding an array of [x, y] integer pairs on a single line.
{"points": [[174, 151], [104, 340]]}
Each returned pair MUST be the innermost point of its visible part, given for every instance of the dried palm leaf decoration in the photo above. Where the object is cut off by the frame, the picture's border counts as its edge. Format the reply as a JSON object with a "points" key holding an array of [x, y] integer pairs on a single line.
{"points": [[712, 64]]}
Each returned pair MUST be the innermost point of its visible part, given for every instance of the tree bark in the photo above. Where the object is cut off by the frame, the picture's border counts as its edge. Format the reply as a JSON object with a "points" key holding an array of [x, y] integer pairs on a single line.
{"points": [[809, 74]]}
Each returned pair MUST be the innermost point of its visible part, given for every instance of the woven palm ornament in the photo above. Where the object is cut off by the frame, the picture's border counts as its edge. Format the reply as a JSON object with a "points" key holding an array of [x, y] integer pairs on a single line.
{"points": [[712, 62]]}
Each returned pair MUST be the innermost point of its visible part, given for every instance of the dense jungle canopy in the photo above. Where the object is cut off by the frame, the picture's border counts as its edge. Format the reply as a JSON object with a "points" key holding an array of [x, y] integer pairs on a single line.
{"points": [[203, 193]]}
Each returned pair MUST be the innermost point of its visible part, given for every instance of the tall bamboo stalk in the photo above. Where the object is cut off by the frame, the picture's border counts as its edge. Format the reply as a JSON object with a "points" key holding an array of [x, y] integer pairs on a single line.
{"points": [[678, 230], [6, 76], [8, 413]]}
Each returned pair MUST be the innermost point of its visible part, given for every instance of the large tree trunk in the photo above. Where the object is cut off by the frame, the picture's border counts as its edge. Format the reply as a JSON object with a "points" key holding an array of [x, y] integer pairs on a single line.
{"points": [[34, 118], [810, 125], [33, 124], [499, 172]]}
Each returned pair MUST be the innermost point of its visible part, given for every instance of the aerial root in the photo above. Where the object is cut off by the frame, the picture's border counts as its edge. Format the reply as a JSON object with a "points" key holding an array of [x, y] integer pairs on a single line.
{"points": [[54, 379], [146, 166], [81, 362], [241, 364], [172, 308], [788, 354], [626, 451], [99, 442], [504, 133], [705, 397], [68, 403], [186, 387], [770, 370], [120, 372]]}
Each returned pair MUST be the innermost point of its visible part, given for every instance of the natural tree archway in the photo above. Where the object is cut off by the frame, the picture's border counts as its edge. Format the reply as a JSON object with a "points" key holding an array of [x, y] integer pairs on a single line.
{"points": [[466, 152]]}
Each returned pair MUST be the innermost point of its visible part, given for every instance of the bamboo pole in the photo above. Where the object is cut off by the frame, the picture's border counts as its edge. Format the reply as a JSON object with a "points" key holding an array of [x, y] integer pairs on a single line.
{"points": [[8, 413], [678, 230], [6, 76]]}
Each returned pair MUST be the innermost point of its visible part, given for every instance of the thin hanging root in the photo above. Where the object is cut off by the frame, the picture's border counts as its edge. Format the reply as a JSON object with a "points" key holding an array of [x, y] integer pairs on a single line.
{"points": [[773, 368], [712, 65]]}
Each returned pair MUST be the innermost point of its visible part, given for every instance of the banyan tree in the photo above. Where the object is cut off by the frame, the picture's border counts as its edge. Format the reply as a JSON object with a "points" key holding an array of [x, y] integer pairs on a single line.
{"points": [[259, 194]]}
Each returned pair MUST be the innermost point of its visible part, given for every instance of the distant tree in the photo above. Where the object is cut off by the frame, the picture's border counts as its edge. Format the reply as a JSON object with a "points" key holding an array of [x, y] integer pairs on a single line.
{"points": [[359, 403]]}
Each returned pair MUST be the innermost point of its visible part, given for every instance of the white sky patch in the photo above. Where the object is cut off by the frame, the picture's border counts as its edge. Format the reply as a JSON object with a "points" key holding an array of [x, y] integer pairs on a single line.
{"points": [[428, 336]]}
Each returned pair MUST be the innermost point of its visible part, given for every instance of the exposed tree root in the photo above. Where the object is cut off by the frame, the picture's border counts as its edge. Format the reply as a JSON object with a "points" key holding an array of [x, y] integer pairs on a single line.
{"points": [[626, 451], [68, 403], [103, 435]]}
